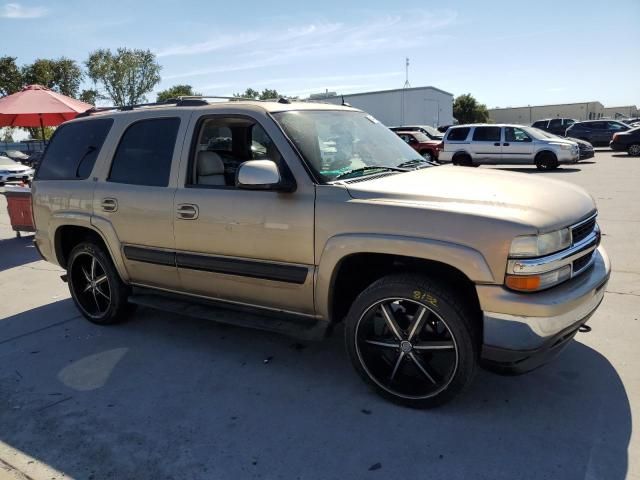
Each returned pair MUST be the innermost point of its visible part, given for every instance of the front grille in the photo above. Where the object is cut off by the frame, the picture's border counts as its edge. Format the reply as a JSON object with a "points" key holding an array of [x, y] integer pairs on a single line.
{"points": [[581, 263], [582, 230]]}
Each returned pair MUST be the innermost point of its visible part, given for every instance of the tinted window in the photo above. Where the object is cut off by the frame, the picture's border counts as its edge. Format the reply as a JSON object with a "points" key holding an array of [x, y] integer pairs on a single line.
{"points": [[596, 125], [458, 134], [145, 152], [73, 150], [540, 124], [487, 134], [616, 126], [555, 123], [569, 121]]}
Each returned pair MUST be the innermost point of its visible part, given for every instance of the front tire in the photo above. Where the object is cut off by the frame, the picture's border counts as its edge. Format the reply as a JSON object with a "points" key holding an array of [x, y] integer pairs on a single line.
{"points": [[426, 154], [546, 161], [95, 286], [412, 341], [634, 150]]}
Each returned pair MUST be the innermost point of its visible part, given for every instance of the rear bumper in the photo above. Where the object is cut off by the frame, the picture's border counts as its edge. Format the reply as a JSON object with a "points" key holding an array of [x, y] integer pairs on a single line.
{"points": [[523, 331]]}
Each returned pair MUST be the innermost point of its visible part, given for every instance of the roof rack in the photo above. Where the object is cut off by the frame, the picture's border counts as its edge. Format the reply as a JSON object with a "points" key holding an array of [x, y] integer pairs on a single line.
{"points": [[189, 101]]}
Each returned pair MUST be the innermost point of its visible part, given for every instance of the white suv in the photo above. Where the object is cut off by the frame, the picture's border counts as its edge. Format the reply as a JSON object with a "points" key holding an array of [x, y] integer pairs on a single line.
{"points": [[473, 145]]}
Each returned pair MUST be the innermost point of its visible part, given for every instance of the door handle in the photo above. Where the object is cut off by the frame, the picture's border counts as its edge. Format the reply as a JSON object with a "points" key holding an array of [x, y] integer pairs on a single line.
{"points": [[187, 211], [109, 204], [497, 144], [506, 144]]}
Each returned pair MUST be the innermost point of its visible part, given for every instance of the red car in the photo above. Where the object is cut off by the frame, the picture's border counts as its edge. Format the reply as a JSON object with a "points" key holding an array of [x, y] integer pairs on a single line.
{"points": [[422, 144]]}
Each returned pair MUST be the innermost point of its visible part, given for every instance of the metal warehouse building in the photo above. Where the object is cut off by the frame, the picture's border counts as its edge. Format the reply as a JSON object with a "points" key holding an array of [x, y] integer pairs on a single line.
{"points": [[529, 114], [402, 106]]}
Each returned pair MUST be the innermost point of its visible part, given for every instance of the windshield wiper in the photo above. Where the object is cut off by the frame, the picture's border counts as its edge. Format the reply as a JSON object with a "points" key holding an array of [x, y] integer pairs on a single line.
{"points": [[369, 167], [418, 163]]}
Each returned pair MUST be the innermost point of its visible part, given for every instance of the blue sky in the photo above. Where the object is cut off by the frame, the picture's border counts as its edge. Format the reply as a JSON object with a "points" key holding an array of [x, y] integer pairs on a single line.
{"points": [[505, 53]]}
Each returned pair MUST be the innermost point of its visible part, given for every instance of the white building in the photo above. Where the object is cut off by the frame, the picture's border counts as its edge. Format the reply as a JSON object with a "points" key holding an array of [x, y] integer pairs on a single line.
{"points": [[402, 106]]}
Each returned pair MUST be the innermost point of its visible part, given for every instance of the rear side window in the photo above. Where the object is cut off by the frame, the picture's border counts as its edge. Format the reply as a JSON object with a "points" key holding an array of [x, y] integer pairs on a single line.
{"points": [[487, 134], [458, 134], [73, 150], [540, 124], [145, 153]]}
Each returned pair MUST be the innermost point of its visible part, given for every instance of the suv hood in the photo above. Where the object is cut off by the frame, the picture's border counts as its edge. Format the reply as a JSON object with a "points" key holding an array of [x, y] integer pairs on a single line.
{"points": [[13, 168], [528, 199]]}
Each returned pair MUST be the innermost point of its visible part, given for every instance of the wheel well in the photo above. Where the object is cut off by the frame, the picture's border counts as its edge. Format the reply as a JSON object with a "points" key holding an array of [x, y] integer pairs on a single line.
{"points": [[545, 152], [68, 236], [461, 154], [356, 272]]}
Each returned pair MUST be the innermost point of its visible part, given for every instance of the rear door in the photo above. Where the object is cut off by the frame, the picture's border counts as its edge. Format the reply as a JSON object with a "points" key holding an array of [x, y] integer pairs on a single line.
{"points": [[556, 126], [598, 132], [486, 144], [517, 146], [134, 195]]}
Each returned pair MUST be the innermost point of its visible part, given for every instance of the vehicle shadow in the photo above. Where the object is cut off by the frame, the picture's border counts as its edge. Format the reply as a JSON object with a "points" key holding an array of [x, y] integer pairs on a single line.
{"points": [[17, 251], [621, 155], [164, 396], [535, 170]]}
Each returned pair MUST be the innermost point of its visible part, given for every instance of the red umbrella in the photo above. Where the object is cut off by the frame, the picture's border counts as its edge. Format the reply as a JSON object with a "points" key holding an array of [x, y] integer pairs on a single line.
{"points": [[38, 106]]}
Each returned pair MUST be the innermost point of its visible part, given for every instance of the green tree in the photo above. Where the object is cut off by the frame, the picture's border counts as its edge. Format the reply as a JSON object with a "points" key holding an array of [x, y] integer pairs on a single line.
{"points": [[62, 75], [466, 109], [266, 94], [10, 76], [176, 91], [90, 96], [126, 75], [36, 132]]}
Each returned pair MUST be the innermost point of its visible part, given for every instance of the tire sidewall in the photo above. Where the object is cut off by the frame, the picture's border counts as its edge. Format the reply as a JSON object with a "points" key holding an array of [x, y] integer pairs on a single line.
{"points": [[464, 337]]}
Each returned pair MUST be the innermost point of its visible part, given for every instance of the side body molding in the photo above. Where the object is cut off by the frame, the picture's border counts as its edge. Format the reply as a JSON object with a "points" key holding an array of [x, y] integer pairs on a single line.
{"points": [[467, 260]]}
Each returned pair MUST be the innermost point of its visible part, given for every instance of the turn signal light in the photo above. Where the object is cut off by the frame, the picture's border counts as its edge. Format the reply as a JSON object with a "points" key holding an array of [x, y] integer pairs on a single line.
{"points": [[529, 283]]}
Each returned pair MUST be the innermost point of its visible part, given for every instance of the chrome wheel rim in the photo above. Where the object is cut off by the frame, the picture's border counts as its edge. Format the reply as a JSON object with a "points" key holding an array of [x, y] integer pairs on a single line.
{"points": [[406, 348], [634, 150], [426, 156], [90, 285]]}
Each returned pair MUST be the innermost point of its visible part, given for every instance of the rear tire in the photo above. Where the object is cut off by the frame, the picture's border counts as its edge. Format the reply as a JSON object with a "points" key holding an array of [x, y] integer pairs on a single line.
{"points": [[546, 161], [412, 340], [95, 286], [463, 159], [634, 150]]}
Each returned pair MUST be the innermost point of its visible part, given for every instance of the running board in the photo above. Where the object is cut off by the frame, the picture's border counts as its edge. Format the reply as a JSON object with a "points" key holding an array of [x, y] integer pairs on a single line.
{"points": [[297, 326]]}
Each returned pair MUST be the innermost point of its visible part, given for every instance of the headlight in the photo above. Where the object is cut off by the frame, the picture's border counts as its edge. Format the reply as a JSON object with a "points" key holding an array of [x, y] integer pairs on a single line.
{"points": [[533, 283], [540, 245], [565, 146]]}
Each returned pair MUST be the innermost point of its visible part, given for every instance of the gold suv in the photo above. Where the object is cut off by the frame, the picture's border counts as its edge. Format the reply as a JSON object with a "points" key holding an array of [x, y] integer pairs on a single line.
{"points": [[293, 217]]}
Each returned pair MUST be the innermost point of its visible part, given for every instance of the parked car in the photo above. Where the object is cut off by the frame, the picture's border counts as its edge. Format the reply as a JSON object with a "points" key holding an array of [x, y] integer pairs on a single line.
{"points": [[430, 132], [628, 141], [596, 132], [630, 121], [585, 148], [16, 155], [557, 126], [473, 145], [12, 171], [432, 270], [422, 144]]}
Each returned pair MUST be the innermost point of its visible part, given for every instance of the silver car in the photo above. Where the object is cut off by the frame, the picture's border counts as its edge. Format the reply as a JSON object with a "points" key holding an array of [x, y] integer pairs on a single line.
{"points": [[473, 145]]}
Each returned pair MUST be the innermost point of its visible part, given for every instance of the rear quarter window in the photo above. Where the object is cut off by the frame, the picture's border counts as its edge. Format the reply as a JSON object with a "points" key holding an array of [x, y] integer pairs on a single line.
{"points": [[540, 124], [73, 150], [458, 134]]}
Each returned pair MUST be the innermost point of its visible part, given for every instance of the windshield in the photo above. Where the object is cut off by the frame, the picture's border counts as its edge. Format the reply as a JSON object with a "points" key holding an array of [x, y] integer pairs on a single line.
{"points": [[421, 137], [342, 144], [432, 132], [7, 161]]}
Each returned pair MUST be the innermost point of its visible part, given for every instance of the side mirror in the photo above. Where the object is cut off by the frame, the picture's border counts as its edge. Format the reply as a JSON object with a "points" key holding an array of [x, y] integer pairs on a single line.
{"points": [[259, 175]]}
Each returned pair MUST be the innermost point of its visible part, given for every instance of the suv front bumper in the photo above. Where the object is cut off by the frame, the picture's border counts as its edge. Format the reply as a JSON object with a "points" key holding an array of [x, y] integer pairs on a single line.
{"points": [[523, 331]]}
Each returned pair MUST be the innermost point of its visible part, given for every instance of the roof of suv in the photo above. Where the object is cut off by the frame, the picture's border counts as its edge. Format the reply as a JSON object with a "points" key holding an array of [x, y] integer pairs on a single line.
{"points": [[269, 106]]}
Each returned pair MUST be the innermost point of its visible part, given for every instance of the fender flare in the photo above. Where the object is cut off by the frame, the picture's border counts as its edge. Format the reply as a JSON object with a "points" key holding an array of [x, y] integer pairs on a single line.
{"points": [[101, 227], [465, 259]]}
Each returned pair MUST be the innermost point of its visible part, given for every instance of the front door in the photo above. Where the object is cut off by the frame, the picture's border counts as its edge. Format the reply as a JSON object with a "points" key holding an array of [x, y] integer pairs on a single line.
{"points": [[134, 198], [245, 246], [486, 146], [517, 146]]}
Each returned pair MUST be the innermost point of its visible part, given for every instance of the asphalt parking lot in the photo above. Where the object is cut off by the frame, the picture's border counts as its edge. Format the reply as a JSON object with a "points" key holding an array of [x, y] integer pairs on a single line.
{"points": [[164, 396]]}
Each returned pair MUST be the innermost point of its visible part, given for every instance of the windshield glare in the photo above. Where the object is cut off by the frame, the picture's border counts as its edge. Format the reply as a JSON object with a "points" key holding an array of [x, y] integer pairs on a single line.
{"points": [[334, 143]]}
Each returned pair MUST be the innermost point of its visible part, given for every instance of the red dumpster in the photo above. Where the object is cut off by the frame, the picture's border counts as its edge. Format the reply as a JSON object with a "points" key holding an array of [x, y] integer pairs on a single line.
{"points": [[19, 208]]}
